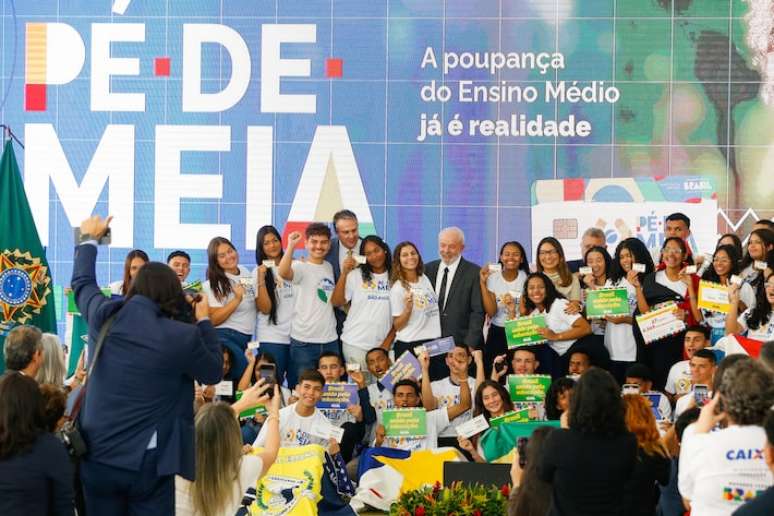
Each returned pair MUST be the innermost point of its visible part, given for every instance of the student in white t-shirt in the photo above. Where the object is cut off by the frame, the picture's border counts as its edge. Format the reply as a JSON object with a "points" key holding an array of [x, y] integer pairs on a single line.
{"points": [[703, 365], [679, 379], [302, 423], [562, 330], [757, 322], [379, 398], [640, 374], [413, 301], [722, 469], [725, 263], [135, 259], [251, 376], [230, 290], [500, 293], [406, 394], [314, 325], [759, 245], [366, 288], [446, 391], [275, 300], [354, 418], [224, 470]]}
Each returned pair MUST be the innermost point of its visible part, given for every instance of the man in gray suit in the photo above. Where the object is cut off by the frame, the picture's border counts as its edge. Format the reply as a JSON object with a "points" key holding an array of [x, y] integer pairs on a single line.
{"points": [[343, 246], [456, 283]]}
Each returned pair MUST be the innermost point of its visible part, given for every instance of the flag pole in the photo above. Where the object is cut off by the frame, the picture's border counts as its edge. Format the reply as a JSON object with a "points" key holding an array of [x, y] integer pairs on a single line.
{"points": [[9, 135]]}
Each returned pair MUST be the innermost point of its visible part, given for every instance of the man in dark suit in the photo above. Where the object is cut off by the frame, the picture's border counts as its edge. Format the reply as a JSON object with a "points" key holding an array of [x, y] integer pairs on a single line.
{"points": [[137, 415], [592, 237], [456, 283], [343, 246]]}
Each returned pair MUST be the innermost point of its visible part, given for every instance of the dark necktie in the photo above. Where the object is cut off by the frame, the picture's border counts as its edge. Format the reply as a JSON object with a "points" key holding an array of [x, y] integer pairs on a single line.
{"points": [[442, 292]]}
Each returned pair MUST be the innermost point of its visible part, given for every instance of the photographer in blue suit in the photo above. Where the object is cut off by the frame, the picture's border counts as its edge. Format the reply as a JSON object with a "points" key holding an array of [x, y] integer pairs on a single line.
{"points": [[137, 414]]}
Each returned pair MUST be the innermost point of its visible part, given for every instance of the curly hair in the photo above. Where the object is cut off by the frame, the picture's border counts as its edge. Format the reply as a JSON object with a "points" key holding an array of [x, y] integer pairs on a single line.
{"points": [[747, 392], [558, 387], [596, 406]]}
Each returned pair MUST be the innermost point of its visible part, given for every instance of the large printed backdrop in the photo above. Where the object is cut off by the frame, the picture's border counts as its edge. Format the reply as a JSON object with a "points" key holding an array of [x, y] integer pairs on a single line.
{"points": [[692, 102]]}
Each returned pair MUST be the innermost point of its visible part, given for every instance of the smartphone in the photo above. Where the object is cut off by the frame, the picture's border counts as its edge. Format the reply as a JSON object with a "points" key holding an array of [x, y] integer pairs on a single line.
{"points": [[269, 373], [630, 388], [700, 394], [501, 366], [521, 447]]}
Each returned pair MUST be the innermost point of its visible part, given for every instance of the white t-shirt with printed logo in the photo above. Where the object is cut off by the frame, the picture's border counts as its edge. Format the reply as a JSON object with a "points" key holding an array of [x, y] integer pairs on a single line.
{"points": [[447, 395], [619, 338], [499, 287], [435, 420], [278, 333], [679, 378], [721, 470], [369, 318], [243, 318], [296, 430], [313, 319], [425, 320], [380, 401], [558, 321], [763, 333]]}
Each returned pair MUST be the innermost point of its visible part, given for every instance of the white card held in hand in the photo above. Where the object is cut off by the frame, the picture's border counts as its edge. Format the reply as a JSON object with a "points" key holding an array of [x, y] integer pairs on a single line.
{"points": [[760, 265], [359, 259], [224, 388], [470, 428], [337, 433], [253, 344], [584, 271], [690, 269], [638, 267], [495, 267], [736, 280], [418, 350], [353, 367], [269, 264]]}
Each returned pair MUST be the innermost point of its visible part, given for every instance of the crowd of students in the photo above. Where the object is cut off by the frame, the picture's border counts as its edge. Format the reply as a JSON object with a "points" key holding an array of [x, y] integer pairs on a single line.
{"points": [[344, 313]]}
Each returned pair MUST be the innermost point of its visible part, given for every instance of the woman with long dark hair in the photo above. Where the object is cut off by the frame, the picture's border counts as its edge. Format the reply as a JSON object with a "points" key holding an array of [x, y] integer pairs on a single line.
{"points": [[501, 294], [274, 301], [491, 400], [135, 259], [620, 340], [137, 413], [734, 241], [551, 262], [562, 331], [36, 476], [759, 244], [366, 287], [670, 283], [557, 400], [531, 496], [233, 305], [758, 322], [589, 463], [725, 263], [413, 302]]}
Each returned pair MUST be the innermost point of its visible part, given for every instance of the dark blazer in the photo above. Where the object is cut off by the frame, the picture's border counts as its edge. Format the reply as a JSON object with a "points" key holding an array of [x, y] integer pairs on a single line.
{"points": [[143, 379], [333, 258], [463, 311]]}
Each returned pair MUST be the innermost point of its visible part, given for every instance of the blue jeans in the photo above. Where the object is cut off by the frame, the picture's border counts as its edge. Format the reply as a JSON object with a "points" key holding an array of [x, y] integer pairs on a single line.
{"points": [[304, 355], [236, 342], [281, 353]]}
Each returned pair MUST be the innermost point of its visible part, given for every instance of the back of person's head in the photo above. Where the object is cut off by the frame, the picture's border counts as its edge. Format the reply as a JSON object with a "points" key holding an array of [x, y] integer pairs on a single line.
{"points": [[218, 459], [596, 406], [747, 392], [724, 364], [558, 387], [20, 346], [53, 369], [311, 375], [54, 405], [683, 420], [534, 495], [767, 354], [21, 413], [640, 372], [160, 284], [642, 423]]}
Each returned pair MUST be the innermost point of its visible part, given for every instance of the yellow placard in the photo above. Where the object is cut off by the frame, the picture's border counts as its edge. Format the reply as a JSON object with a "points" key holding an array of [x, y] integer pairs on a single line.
{"points": [[713, 297]]}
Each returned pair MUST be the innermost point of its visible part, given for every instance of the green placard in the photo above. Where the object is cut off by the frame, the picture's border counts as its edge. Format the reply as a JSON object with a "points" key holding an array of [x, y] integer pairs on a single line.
{"points": [[514, 416], [405, 422], [249, 413], [528, 387], [522, 331], [72, 308], [607, 301]]}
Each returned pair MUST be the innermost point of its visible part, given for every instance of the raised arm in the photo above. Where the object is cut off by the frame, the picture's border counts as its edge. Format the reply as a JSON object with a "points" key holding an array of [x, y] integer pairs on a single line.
{"points": [[428, 398], [285, 269], [488, 298], [732, 317], [465, 402], [262, 300], [339, 296], [88, 296]]}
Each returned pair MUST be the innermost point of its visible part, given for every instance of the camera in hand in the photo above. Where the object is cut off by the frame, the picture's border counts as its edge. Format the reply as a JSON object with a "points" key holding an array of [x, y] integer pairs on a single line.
{"points": [[521, 447], [501, 366]]}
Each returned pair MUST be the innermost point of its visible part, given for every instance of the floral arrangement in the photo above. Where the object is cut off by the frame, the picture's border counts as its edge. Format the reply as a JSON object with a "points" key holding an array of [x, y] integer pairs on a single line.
{"points": [[457, 500]]}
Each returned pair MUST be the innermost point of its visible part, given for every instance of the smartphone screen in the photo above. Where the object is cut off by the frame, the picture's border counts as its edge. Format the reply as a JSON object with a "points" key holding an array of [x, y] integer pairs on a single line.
{"points": [[700, 394], [521, 447], [269, 373]]}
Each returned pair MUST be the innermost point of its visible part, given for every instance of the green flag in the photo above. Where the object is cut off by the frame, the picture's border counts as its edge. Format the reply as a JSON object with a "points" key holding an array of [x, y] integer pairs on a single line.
{"points": [[26, 289]]}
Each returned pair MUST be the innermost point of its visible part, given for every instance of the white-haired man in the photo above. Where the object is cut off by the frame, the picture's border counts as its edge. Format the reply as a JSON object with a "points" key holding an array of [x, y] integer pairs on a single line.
{"points": [[456, 283]]}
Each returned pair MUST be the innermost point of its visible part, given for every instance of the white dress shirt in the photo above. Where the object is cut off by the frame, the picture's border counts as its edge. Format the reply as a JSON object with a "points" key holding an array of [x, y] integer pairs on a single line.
{"points": [[439, 278]]}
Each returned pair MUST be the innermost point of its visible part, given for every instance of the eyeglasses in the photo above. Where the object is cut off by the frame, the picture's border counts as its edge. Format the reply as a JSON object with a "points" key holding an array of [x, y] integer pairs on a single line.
{"points": [[672, 250], [548, 252]]}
